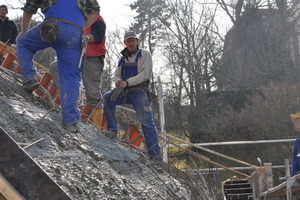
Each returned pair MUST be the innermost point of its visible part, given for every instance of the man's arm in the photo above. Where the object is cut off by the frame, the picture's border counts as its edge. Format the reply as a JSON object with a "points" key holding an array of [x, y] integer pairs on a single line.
{"points": [[98, 32], [25, 23], [90, 18], [118, 76]]}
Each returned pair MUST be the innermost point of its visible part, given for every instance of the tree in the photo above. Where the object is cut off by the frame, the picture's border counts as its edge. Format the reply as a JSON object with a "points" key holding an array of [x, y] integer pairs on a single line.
{"points": [[257, 49], [192, 46], [114, 41], [149, 22], [265, 117]]}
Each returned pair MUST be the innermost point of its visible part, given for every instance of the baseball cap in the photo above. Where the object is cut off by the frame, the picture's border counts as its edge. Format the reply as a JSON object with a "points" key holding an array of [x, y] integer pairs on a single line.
{"points": [[4, 6], [130, 34]]}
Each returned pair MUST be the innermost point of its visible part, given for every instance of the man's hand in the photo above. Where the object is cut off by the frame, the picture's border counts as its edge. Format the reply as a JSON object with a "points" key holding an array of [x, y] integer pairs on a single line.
{"points": [[25, 24], [123, 84], [90, 19], [117, 83], [20, 34]]}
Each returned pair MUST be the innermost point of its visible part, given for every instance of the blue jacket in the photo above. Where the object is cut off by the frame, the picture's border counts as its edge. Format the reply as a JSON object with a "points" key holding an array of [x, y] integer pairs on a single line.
{"points": [[8, 31], [296, 159]]}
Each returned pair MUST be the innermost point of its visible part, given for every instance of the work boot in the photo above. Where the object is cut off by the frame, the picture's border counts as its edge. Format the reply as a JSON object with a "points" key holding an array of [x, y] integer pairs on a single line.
{"points": [[74, 128], [31, 85], [155, 162], [110, 134]]}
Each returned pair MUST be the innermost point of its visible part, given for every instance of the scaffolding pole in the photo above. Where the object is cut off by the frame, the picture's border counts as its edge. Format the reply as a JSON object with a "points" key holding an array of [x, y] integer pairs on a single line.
{"points": [[237, 142], [165, 145]]}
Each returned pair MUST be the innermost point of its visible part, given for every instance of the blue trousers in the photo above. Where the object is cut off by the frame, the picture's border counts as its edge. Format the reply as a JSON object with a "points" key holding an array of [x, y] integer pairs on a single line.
{"points": [[142, 106], [68, 50], [296, 160]]}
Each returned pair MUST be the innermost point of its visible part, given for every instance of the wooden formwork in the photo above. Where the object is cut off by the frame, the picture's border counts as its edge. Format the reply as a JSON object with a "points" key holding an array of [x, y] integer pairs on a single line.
{"points": [[7, 191], [23, 174]]}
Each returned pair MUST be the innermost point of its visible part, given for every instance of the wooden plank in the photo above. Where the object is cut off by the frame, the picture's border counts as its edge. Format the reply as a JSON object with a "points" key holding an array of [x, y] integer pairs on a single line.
{"points": [[2, 197], [7, 191], [24, 174], [280, 190]]}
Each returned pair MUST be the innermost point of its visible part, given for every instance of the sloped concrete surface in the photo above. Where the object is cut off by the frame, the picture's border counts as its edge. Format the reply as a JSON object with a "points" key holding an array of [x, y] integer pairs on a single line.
{"points": [[87, 166]]}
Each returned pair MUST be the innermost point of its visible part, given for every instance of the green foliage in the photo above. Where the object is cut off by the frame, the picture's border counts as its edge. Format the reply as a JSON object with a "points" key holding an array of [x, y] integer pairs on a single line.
{"points": [[266, 118], [151, 18], [210, 104]]}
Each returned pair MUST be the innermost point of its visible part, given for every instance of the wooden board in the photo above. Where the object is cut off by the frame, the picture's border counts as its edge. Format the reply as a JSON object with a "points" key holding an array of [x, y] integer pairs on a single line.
{"points": [[2, 197], [280, 190], [24, 174], [7, 191]]}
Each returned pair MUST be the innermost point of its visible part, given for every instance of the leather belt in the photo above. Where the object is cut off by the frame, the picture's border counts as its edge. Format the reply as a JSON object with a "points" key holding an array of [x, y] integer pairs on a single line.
{"points": [[138, 88], [65, 21]]}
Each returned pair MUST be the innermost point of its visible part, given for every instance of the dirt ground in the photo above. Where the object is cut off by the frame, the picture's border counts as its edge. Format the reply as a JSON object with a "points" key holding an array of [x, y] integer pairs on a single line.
{"points": [[87, 166]]}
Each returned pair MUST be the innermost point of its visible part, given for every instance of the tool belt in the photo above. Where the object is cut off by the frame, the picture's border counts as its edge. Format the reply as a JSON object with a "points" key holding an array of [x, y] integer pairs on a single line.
{"points": [[152, 96], [49, 30], [137, 88]]}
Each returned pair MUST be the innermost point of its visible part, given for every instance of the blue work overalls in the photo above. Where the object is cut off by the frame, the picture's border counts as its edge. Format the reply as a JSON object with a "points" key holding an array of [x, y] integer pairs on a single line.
{"points": [[68, 50], [141, 104]]}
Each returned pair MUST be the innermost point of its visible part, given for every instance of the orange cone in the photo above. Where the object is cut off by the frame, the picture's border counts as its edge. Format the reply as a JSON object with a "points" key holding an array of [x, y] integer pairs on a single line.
{"points": [[135, 135], [85, 114]]}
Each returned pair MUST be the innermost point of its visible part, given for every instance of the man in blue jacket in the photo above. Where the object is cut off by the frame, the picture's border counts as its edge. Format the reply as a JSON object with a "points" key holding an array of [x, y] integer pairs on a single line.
{"points": [[8, 28], [62, 30]]}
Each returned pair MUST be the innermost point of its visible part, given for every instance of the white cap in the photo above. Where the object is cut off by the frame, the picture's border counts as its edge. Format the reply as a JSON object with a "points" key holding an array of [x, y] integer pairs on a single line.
{"points": [[130, 34]]}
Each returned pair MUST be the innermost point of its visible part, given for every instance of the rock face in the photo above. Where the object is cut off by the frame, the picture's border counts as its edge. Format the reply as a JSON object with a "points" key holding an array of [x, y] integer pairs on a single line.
{"points": [[87, 166]]}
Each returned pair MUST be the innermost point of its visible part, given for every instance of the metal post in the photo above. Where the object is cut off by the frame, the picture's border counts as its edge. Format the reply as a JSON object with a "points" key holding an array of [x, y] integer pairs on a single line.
{"points": [[288, 180], [162, 120]]}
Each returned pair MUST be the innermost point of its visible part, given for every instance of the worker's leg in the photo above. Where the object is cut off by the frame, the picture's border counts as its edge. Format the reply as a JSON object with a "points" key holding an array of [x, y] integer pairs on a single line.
{"points": [[141, 104], [109, 109], [91, 78], [68, 56], [27, 45]]}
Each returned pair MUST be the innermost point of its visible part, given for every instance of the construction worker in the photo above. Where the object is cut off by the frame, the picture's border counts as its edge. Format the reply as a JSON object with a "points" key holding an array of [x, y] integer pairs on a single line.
{"points": [[8, 28], [93, 66], [62, 30], [131, 80]]}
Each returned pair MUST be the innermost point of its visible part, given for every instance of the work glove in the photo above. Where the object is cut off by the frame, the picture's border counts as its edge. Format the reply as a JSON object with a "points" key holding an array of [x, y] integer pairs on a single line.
{"points": [[119, 92]]}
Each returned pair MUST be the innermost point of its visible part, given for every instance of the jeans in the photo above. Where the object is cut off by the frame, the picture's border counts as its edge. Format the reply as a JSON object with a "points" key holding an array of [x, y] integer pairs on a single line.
{"points": [[142, 106], [68, 50]]}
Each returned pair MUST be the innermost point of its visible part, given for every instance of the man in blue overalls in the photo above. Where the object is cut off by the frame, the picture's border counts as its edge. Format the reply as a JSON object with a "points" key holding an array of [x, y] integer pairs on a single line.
{"points": [[133, 74], [62, 30]]}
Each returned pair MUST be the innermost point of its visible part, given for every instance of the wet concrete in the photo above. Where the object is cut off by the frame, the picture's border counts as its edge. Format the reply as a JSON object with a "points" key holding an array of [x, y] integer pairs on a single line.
{"points": [[87, 166]]}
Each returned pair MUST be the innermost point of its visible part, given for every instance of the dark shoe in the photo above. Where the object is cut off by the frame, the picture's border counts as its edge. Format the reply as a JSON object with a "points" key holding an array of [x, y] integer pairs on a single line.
{"points": [[155, 162], [110, 134], [31, 85], [74, 128], [157, 158]]}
